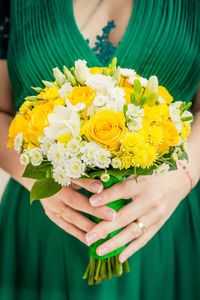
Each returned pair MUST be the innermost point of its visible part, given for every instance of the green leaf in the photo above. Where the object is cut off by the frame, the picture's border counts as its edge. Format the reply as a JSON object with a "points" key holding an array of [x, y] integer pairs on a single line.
{"points": [[187, 119], [137, 86], [37, 172], [125, 108], [183, 156], [43, 189]]}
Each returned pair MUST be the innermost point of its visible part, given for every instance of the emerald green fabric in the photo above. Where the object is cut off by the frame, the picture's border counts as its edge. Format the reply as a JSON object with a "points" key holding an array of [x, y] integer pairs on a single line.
{"points": [[38, 260]]}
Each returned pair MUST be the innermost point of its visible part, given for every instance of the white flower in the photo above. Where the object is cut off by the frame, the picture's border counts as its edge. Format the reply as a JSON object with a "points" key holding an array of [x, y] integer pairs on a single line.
{"points": [[24, 159], [36, 156], [46, 144], [60, 175], [135, 124], [92, 110], [177, 104], [100, 100], [187, 114], [142, 80], [116, 93], [105, 177], [18, 142], [40, 139], [115, 105], [65, 89], [100, 82], [174, 113], [75, 167], [127, 72], [56, 154], [161, 170], [81, 71], [59, 76], [134, 111], [116, 163], [80, 107], [73, 147], [89, 152], [102, 159], [65, 120]]}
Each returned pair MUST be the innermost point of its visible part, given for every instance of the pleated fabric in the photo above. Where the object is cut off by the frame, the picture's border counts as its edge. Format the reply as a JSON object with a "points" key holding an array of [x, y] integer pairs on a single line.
{"points": [[38, 260]]}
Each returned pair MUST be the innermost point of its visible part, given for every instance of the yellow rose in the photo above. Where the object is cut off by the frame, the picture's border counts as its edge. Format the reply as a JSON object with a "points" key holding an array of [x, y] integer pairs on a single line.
{"points": [[163, 92], [82, 94], [170, 135], [18, 125], [39, 120], [106, 128]]}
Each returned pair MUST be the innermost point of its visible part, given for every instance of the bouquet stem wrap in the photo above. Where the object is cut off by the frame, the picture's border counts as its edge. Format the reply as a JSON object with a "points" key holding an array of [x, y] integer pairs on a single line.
{"points": [[102, 267]]}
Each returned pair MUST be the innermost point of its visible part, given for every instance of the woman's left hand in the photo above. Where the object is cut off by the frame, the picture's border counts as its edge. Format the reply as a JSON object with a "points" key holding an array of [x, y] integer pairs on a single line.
{"points": [[153, 201]]}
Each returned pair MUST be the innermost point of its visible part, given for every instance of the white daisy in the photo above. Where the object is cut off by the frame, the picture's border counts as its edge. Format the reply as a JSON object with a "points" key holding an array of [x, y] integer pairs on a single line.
{"points": [[89, 152], [56, 154], [80, 107], [36, 156], [127, 72], [134, 111], [102, 159], [116, 93], [100, 100], [24, 159], [134, 124], [73, 147], [161, 170], [18, 142], [75, 168], [60, 175], [46, 144]]}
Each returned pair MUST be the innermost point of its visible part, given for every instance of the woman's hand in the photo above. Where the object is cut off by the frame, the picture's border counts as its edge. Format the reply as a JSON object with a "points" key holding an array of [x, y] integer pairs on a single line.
{"points": [[64, 208], [153, 201]]}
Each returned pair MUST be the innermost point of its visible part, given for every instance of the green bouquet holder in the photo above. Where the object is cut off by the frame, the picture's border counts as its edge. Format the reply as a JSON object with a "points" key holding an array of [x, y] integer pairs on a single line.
{"points": [[104, 267]]}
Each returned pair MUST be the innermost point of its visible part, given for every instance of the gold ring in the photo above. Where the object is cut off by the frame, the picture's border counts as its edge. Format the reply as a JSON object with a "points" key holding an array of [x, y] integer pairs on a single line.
{"points": [[141, 225], [59, 213]]}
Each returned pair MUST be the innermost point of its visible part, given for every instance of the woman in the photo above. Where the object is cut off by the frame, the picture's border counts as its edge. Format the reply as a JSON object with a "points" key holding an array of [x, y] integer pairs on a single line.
{"points": [[38, 259]]}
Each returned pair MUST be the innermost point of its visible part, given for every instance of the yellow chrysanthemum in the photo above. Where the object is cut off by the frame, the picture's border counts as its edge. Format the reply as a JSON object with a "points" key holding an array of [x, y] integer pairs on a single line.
{"points": [[64, 139], [59, 101], [152, 134], [126, 161], [186, 129], [131, 142], [145, 156], [163, 92], [154, 114], [98, 70], [49, 93]]}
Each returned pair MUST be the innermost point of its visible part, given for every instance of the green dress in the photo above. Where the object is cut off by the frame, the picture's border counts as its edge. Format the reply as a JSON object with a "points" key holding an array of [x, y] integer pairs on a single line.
{"points": [[38, 260]]}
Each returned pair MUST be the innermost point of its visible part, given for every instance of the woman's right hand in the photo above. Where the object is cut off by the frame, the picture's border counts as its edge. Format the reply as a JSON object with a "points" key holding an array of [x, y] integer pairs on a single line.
{"points": [[65, 207]]}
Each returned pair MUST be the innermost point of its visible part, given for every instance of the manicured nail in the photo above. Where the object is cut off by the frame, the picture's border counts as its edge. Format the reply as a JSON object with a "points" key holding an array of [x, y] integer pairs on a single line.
{"points": [[109, 215], [123, 258], [96, 199], [96, 187], [91, 238], [103, 251]]}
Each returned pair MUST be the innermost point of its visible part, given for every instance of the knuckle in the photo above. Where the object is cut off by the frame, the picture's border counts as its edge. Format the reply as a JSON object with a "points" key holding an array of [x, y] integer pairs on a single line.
{"points": [[134, 230], [123, 219], [155, 202], [71, 216]]}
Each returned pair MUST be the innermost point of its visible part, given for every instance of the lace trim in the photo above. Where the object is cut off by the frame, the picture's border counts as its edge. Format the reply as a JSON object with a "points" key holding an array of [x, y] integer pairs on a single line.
{"points": [[103, 49], [4, 35]]}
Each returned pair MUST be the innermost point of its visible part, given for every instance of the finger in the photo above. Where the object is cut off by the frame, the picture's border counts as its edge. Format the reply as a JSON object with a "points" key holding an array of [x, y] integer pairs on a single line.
{"points": [[139, 242], [125, 189], [80, 202], [67, 227], [74, 217], [125, 216], [92, 185]]}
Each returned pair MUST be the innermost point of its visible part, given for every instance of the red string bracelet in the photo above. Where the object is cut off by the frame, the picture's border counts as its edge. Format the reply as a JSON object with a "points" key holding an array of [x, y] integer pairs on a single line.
{"points": [[183, 166]]}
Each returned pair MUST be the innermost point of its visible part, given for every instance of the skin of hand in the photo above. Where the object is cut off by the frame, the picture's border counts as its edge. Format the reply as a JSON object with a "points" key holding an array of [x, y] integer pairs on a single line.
{"points": [[154, 199], [71, 219]]}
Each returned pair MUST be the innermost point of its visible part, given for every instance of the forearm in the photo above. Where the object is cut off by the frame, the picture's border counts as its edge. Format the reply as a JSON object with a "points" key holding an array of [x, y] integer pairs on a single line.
{"points": [[9, 159], [194, 149]]}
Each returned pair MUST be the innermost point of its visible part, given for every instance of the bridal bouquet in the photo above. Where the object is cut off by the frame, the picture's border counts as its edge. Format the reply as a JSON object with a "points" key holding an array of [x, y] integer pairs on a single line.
{"points": [[105, 123]]}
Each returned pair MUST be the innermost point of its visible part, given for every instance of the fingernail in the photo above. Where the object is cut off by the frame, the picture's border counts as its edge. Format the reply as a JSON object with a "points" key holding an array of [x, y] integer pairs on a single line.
{"points": [[91, 238], [123, 258], [96, 187], [103, 251], [96, 199], [109, 215]]}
